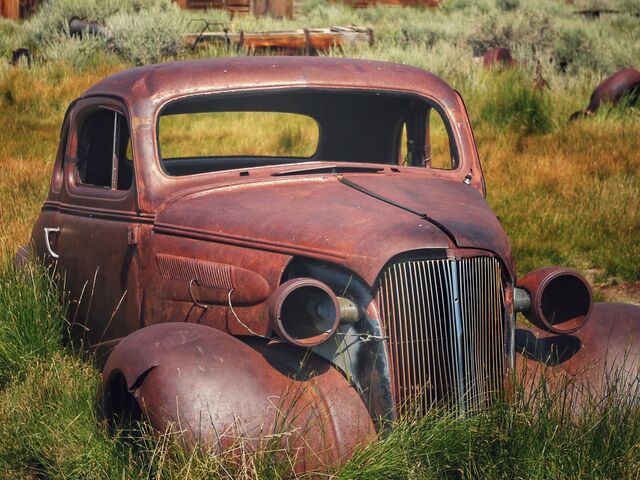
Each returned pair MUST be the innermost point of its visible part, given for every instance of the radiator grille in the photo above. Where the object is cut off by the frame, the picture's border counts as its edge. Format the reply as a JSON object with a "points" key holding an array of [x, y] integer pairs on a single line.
{"points": [[445, 322]]}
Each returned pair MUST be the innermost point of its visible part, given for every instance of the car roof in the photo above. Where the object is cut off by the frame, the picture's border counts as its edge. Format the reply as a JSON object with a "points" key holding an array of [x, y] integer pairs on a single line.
{"points": [[145, 88]]}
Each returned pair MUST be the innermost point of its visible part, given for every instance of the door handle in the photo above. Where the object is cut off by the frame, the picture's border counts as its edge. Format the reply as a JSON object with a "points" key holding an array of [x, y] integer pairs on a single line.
{"points": [[47, 231]]}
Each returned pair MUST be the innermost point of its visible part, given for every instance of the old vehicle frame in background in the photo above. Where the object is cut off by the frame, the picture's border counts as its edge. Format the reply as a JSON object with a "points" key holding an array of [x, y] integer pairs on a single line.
{"points": [[243, 296]]}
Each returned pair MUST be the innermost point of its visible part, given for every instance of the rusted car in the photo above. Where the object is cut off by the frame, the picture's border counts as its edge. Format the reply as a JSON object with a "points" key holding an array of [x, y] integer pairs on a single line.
{"points": [[297, 249]]}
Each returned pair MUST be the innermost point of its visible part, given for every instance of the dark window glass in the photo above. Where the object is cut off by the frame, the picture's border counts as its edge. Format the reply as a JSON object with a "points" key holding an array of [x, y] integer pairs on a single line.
{"points": [[103, 143]]}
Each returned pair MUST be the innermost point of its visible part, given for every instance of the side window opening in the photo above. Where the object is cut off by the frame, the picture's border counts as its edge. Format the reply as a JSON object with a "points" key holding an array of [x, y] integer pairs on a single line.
{"points": [[426, 142], [103, 146]]}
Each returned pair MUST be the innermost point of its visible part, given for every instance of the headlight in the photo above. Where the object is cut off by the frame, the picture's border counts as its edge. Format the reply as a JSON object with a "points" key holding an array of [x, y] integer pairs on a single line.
{"points": [[306, 312]]}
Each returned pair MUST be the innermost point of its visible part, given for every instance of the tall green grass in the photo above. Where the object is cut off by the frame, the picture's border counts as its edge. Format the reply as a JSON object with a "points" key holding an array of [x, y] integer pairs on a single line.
{"points": [[31, 326], [49, 427]]}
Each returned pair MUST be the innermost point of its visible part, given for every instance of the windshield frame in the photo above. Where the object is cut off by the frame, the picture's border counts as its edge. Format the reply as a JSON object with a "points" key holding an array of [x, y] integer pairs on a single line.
{"points": [[277, 94]]}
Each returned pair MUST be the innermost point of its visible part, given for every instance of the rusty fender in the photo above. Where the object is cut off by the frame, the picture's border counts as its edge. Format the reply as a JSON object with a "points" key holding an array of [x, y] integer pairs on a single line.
{"points": [[623, 83], [219, 390], [604, 352]]}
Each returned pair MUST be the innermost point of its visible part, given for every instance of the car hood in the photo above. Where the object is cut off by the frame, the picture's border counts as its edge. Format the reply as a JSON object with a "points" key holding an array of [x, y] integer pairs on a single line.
{"points": [[359, 221]]}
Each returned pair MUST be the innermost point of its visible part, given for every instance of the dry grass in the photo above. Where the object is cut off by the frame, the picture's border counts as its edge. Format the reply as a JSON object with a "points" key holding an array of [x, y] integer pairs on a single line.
{"points": [[570, 197], [33, 103]]}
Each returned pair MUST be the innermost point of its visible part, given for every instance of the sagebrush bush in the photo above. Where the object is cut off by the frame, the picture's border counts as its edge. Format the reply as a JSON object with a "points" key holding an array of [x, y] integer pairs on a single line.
{"points": [[148, 36], [11, 37], [514, 103], [80, 53], [143, 31], [524, 27]]}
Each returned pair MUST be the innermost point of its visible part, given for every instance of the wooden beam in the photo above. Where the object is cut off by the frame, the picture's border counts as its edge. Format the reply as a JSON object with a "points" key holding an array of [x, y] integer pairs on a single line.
{"points": [[10, 9]]}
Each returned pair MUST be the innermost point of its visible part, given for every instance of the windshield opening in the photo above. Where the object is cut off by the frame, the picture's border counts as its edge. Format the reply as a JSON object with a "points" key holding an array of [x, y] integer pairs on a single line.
{"points": [[229, 131]]}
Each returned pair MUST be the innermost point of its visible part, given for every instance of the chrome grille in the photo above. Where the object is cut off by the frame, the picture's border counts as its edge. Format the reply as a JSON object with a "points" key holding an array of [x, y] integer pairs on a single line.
{"points": [[445, 322]]}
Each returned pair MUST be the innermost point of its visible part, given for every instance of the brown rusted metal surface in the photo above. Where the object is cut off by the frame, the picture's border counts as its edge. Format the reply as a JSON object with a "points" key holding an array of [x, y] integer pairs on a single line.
{"points": [[624, 83], [19, 54], [498, 57], [603, 354], [416, 269], [226, 393], [560, 299], [301, 41]]}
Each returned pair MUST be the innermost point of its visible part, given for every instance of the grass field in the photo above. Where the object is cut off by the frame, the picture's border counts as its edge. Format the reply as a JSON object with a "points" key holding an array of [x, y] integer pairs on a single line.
{"points": [[567, 194]]}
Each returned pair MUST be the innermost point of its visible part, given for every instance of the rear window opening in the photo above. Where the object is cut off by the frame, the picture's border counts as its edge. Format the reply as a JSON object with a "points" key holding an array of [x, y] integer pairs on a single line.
{"points": [[237, 131]]}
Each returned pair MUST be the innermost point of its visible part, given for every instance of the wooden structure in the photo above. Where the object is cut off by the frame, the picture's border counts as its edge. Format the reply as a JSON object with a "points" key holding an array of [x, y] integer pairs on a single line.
{"points": [[15, 9], [272, 8]]}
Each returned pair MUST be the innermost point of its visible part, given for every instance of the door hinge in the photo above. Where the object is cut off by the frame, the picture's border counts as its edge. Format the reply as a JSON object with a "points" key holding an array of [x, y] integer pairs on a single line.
{"points": [[133, 234]]}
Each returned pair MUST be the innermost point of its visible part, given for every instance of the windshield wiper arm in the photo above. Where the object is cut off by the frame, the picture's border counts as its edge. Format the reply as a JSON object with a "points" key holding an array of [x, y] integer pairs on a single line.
{"points": [[330, 169]]}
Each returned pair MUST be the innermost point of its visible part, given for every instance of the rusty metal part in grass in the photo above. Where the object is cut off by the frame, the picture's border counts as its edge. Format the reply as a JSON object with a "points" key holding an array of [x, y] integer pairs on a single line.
{"points": [[624, 84], [560, 299], [79, 28], [223, 393], [302, 41], [498, 57], [601, 357], [594, 13], [21, 53]]}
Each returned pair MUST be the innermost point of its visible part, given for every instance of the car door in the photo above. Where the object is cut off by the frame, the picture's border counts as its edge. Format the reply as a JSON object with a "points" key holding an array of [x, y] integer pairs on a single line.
{"points": [[95, 240]]}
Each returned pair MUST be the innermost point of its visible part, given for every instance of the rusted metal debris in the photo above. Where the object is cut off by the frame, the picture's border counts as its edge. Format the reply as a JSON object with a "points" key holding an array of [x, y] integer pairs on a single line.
{"points": [[624, 84], [293, 42], [573, 344], [301, 41], [501, 58], [498, 57], [598, 12], [19, 54], [585, 365], [335, 289], [79, 27]]}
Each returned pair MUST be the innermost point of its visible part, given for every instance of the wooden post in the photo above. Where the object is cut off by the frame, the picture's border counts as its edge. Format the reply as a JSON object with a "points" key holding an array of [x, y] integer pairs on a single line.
{"points": [[10, 9]]}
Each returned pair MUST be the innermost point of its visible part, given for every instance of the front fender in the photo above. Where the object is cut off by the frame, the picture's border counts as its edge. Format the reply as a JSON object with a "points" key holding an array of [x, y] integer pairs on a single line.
{"points": [[603, 353], [219, 390]]}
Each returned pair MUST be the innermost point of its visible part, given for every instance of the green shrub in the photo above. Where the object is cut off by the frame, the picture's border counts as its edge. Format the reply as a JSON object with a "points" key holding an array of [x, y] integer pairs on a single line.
{"points": [[31, 319], [143, 31], [513, 102], [11, 37], [534, 29], [48, 425], [507, 5], [149, 35]]}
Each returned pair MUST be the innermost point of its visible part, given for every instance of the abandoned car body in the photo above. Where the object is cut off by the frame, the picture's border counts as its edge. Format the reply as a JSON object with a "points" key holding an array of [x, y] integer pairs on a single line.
{"points": [[239, 294]]}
